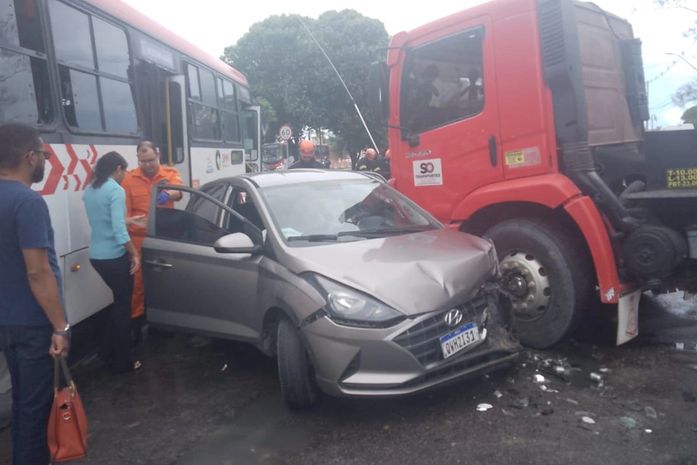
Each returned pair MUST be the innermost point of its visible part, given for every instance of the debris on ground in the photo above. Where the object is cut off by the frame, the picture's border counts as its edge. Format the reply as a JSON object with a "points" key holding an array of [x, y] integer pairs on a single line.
{"points": [[484, 407], [650, 412], [628, 422]]}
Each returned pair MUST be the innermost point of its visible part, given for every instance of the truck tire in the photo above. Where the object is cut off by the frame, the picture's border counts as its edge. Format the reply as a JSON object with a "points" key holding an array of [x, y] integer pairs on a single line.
{"points": [[547, 275], [295, 371]]}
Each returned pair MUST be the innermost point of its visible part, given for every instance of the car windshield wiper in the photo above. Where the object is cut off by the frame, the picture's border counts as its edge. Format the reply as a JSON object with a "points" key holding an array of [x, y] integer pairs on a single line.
{"points": [[315, 238], [392, 231]]}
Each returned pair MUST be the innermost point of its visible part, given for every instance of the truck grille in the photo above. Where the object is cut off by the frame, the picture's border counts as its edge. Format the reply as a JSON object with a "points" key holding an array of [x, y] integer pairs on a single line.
{"points": [[422, 339]]}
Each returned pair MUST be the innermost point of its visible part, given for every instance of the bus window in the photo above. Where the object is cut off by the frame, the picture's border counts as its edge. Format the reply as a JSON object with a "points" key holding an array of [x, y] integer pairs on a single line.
{"points": [[95, 96], [204, 115], [112, 48], [229, 95], [20, 25], [71, 36], [204, 122], [194, 90], [231, 120], [207, 87], [80, 99], [24, 85], [119, 112]]}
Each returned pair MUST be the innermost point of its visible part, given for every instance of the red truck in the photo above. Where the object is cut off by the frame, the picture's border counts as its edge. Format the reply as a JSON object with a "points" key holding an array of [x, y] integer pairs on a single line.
{"points": [[523, 120]]}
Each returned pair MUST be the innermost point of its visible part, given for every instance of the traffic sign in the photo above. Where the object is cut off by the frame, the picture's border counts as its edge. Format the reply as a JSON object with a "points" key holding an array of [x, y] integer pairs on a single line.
{"points": [[285, 132]]}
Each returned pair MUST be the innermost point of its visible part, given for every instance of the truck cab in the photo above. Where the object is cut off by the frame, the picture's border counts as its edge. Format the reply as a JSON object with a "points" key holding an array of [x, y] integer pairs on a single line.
{"points": [[523, 120]]}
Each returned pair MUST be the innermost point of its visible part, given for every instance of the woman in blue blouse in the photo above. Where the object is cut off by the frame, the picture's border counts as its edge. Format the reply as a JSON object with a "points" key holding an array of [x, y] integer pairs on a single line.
{"points": [[113, 256]]}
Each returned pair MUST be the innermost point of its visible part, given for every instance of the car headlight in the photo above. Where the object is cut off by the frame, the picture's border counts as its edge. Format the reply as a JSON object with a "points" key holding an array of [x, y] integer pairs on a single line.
{"points": [[493, 256], [349, 307]]}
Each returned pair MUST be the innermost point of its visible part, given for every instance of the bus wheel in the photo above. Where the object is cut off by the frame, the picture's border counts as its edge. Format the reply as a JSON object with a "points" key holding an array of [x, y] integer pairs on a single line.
{"points": [[546, 277], [295, 372]]}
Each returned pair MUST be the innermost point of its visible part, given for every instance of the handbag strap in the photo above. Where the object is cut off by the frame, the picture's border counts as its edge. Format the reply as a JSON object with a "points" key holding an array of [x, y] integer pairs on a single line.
{"points": [[61, 365]]}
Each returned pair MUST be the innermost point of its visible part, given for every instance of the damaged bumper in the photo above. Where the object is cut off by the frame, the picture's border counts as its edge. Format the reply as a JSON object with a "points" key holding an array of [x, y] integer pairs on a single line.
{"points": [[409, 357]]}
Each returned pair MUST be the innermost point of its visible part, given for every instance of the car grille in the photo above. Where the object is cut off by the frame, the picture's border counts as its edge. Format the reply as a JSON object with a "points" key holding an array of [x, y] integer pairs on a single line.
{"points": [[422, 339]]}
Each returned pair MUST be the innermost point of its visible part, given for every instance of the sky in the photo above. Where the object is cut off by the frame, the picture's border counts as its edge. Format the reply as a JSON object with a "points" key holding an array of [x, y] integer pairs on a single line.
{"points": [[214, 24]]}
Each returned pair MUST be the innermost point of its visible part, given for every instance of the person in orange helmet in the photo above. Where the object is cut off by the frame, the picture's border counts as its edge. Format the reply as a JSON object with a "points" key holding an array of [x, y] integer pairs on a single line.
{"points": [[307, 156], [138, 185]]}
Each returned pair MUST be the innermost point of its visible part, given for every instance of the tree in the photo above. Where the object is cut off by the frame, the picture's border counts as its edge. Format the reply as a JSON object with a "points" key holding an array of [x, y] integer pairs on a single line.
{"points": [[287, 69], [690, 116]]}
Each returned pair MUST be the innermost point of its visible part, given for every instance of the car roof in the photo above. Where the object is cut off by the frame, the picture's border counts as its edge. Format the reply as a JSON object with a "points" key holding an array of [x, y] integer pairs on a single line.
{"points": [[296, 176]]}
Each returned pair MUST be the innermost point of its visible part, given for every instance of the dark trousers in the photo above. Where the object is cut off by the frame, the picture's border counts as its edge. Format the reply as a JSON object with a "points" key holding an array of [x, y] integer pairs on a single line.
{"points": [[116, 335], [31, 371]]}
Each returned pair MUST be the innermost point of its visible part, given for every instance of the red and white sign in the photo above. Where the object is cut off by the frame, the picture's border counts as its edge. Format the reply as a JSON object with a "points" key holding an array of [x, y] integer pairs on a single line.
{"points": [[285, 132]]}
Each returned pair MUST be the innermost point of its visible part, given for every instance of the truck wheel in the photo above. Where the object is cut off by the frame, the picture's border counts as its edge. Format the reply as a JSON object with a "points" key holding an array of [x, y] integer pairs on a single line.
{"points": [[295, 371], [546, 275]]}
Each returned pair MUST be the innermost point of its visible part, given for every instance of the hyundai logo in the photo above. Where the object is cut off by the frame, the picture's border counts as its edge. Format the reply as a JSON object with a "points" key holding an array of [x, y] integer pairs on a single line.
{"points": [[453, 317]]}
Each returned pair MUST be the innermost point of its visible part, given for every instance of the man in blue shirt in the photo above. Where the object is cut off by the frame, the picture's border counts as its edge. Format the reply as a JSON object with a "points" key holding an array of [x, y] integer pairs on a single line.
{"points": [[33, 326]]}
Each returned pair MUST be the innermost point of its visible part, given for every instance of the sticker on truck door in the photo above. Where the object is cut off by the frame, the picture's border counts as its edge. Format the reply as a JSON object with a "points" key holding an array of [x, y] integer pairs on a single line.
{"points": [[524, 157], [428, 172]]}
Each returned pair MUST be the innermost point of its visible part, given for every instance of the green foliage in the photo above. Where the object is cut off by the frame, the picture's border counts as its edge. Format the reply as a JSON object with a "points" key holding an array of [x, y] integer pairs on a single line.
{"points": [[690, 115], [286, 68]]}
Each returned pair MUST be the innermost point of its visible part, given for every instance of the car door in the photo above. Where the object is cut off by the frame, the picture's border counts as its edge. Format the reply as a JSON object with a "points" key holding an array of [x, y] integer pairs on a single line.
{"points": [[188, 284]]}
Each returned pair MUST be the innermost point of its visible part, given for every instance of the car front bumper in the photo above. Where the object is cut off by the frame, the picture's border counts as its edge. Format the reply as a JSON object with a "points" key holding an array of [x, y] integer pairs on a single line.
{"points": [[406, 358]]}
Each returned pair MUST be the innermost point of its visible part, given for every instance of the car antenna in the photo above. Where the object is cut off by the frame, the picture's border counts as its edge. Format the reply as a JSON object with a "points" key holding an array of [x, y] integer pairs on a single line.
{"points": [[355, 105]]}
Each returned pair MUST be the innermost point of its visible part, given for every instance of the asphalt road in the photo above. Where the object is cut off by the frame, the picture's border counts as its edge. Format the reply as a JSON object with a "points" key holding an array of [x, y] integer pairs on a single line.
{"points": [[200, 401]]}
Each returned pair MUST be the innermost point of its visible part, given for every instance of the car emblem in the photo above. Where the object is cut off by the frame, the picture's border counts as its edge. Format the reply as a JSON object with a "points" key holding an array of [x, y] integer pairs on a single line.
{"points": [[453, 317]]}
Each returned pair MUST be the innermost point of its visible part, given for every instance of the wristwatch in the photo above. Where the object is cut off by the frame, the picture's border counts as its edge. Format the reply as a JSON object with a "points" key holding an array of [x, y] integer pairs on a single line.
{"points": [[62, 332]]}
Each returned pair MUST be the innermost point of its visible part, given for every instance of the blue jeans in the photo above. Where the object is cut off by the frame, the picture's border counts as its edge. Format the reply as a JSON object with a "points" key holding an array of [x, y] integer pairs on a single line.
{"points": [[31, 371]]}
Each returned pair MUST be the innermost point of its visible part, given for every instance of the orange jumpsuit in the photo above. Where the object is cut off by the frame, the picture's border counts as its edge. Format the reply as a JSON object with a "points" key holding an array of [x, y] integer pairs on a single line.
{"points": [[138, 189]]}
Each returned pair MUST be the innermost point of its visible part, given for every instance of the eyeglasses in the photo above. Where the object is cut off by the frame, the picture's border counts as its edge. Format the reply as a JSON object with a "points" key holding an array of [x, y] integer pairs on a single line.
{"points": [[147, 162], [45, 154]]}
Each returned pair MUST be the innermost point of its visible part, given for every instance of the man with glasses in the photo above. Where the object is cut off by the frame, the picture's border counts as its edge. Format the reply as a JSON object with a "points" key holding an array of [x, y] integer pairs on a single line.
{"points": [[33, 325], [138, 185]]}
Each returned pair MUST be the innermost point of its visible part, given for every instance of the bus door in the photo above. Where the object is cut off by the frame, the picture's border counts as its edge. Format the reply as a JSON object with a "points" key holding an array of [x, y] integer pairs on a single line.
{"points": [[175, 130], [251, 126], [163, 114]]}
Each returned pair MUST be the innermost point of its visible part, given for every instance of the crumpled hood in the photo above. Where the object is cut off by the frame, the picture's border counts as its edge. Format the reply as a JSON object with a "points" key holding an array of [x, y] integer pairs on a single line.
{"points": [[414, 273]]}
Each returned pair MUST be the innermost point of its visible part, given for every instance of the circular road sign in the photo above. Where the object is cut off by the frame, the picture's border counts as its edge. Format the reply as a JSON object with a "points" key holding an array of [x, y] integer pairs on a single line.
{"points": [[285, 132]]}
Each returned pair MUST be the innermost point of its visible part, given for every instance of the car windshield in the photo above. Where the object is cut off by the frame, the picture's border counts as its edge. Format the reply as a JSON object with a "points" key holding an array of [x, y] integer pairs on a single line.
{"points": [[329, 211]]}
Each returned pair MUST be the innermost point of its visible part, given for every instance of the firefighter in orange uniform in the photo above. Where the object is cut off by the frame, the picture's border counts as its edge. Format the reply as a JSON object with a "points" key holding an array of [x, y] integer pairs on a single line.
{"points": [[138, 185]]}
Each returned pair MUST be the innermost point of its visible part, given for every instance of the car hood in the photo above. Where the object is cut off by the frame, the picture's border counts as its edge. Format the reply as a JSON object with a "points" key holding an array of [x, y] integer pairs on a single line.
{"points": [[414, 273]]}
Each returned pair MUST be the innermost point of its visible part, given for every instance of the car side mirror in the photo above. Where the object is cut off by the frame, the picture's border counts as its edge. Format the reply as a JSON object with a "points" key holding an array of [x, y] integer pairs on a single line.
{"points": [[236, 243]]}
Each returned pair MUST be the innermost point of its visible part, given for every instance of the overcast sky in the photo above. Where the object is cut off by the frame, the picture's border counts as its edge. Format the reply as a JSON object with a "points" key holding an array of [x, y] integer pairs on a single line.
{"points": [[214, 24]]}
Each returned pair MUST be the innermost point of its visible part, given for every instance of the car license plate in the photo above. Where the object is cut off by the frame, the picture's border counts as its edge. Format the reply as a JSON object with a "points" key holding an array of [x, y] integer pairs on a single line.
{"points": [[456, 341]]}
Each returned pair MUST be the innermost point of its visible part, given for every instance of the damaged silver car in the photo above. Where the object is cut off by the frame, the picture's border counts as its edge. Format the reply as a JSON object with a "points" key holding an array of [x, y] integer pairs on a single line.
{"points": [[354, 288]]}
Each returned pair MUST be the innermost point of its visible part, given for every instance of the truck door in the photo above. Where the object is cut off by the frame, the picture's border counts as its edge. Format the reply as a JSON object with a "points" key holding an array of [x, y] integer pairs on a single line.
{"points": [[448, 118]]}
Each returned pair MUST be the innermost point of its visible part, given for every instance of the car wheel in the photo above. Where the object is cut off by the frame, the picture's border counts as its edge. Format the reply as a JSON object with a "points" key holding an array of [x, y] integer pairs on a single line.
{"points": [[295, 372], [546, 276]]}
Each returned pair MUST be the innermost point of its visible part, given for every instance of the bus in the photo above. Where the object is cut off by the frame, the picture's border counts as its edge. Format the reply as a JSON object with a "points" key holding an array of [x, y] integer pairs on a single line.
{"points": [[96, 76]]}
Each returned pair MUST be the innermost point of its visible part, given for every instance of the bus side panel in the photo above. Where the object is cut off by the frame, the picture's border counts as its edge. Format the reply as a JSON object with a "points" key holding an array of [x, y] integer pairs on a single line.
{"points": [[208, 164], [68, 173]]}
